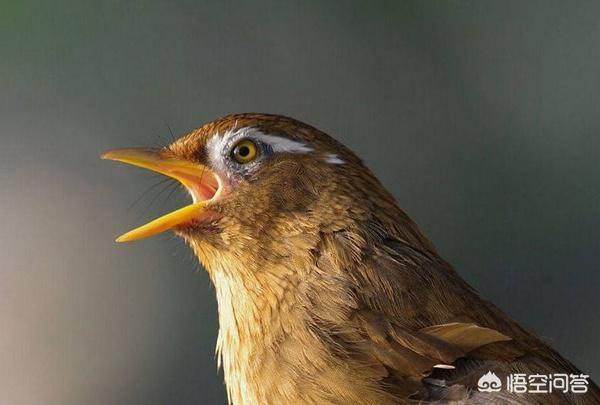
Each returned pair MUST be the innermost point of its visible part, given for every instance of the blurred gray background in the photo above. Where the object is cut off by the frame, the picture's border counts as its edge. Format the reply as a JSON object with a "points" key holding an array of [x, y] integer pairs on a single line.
{"points": [[482, 117]]}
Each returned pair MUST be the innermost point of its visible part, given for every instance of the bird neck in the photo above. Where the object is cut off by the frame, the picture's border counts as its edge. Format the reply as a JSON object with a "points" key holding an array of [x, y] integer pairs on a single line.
{"points": [[256, 304], [276, 295]]}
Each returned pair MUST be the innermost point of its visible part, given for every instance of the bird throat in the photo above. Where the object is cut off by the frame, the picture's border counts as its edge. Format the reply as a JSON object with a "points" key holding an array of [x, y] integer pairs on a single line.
{"points": [[256, 310]]}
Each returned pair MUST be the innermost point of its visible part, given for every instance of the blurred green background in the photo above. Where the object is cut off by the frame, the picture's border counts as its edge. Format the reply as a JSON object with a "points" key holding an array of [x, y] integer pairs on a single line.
{"points": [[481, 117]]}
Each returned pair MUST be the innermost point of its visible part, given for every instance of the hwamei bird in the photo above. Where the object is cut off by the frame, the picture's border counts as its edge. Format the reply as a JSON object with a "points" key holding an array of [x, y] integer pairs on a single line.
{"points": [[328, 293]]}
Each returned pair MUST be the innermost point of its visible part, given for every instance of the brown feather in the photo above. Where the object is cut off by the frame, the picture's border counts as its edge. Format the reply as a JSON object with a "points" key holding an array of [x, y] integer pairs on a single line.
{"points": [[467, 336]]}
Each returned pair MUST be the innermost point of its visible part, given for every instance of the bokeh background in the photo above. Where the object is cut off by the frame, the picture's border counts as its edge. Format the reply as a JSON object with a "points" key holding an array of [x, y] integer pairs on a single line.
{"points": [[482, 117]]}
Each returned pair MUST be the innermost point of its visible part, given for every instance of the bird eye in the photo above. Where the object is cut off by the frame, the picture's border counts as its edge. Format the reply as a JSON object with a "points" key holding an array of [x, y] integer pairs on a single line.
{"points": [[244, 151]]}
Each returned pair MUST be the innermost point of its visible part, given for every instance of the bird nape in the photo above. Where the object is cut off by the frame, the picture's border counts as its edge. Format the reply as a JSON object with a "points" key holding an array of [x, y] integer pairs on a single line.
{"points": [[328, 293]]}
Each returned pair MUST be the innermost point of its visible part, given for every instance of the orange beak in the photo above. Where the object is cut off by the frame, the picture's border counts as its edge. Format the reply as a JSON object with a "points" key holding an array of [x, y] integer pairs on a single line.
{"points": [[201, 183]]}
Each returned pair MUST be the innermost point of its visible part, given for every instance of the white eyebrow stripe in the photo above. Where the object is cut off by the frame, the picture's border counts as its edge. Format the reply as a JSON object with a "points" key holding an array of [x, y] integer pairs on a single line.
{"points": [[218, 142], [333, 159], [214, 146], [280, 144]]}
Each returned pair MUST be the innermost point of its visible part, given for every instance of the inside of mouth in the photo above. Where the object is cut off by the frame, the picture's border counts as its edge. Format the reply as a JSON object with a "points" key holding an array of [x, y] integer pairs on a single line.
{"points": [[204, 188]]}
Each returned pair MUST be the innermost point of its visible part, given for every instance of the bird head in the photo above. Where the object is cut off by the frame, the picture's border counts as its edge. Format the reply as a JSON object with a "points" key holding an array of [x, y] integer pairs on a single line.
{"points": [[261, 186]]}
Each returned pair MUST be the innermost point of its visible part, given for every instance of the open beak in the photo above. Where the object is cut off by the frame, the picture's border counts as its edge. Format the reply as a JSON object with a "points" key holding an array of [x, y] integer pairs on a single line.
{"points": [[200, 181]]}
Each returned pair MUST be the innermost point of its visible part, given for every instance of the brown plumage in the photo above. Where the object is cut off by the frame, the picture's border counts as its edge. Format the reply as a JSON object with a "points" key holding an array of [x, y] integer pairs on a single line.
{"points": [[328, 292]]}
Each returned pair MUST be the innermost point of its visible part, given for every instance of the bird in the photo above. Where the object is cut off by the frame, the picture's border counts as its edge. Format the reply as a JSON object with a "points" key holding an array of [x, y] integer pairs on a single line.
{"points": [[327, 291]]}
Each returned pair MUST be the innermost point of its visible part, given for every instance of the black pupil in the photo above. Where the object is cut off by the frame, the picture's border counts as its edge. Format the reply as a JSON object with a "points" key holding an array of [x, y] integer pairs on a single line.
{"points": [[243, 151]]}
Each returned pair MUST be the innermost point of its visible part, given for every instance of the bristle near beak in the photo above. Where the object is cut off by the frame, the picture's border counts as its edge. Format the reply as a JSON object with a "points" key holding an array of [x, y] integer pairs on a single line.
{"points": [[200, 181]]}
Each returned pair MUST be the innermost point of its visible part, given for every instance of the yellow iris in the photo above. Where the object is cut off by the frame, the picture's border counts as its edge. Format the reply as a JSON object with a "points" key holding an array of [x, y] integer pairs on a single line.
{"points": [[245, 151]]}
